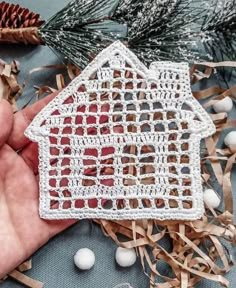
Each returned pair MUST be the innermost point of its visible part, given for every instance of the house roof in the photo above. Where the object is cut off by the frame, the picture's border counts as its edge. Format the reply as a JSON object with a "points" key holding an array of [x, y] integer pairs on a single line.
{"points": [[159, 73]]}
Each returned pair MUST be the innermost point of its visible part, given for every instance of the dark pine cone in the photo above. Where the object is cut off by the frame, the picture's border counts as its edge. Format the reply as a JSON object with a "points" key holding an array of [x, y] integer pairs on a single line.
{"points": [[14, 16]]}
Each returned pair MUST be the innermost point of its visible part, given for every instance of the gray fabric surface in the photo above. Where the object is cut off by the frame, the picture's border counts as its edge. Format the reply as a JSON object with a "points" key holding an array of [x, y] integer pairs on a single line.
{"points": [[53, 263]]}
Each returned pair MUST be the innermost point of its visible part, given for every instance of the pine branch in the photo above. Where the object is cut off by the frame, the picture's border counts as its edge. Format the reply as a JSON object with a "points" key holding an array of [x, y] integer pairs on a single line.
{"points": [[154, 29], [220, 30], [79, 13], [219, 34], [170, 36], [80, 30]]}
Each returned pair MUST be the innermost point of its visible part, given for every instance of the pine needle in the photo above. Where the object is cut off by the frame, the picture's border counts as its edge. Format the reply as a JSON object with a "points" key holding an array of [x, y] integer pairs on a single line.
{"points": [[177, 30]]}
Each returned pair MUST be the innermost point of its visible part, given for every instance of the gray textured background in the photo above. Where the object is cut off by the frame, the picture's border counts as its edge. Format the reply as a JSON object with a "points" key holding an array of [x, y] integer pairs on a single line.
{"points": [[53, 263]]}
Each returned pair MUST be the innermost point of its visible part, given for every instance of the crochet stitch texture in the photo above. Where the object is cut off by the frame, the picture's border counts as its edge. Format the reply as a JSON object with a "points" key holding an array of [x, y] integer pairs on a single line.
{"points": [[126, 136]]}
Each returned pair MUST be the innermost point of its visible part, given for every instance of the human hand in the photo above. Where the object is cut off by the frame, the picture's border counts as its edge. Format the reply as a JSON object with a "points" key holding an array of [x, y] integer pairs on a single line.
{"points": [[22, 231]]}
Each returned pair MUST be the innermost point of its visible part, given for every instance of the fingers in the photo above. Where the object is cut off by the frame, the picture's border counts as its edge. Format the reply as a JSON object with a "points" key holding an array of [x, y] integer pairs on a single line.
{"points": [[30, 156], [6, 121], [22, 119]]}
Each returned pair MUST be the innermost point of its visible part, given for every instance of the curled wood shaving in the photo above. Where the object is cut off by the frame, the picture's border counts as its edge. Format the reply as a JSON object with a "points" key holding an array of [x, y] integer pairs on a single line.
{"points": [[17, 275], [9, 86]]}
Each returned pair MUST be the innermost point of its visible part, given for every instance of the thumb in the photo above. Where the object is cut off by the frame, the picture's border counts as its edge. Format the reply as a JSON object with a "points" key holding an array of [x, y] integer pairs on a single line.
{"points": [[6, 121]]}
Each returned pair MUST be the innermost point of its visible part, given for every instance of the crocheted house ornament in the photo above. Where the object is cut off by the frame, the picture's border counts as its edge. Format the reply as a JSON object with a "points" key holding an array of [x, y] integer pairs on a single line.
{"points": [[122, 142]]}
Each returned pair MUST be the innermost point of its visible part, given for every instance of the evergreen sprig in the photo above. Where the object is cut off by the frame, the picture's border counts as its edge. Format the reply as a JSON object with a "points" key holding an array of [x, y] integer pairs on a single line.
{"points": [[219, 27], [174, 30]]}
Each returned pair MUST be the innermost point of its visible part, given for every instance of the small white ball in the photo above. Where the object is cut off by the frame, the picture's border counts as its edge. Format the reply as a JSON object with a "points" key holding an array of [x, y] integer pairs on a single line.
{"points": [[230, 139], [84, 259], [211, 199], [125, 257], [224, 105]]}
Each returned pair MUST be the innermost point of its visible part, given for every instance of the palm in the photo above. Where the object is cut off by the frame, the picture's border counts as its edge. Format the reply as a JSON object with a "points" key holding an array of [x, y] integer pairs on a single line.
{"points": [[22, 231]]}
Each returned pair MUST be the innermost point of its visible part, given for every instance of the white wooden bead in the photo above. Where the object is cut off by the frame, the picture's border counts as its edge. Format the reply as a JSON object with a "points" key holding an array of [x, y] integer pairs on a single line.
{"points": [[230, 139], [211, 199], [125, 257], [224, 105], [84, 259]]}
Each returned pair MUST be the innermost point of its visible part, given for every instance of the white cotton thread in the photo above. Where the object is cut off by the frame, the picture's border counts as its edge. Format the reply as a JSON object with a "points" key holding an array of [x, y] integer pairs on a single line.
{"points": [[142, 126]]}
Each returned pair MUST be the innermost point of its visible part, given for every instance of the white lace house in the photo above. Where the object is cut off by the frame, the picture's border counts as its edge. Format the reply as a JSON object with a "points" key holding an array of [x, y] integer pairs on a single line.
{"points": [[122, 142]]}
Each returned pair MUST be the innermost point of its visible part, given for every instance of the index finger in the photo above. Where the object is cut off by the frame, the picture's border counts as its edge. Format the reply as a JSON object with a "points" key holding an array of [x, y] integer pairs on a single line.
{"points": [[17, 140]]}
